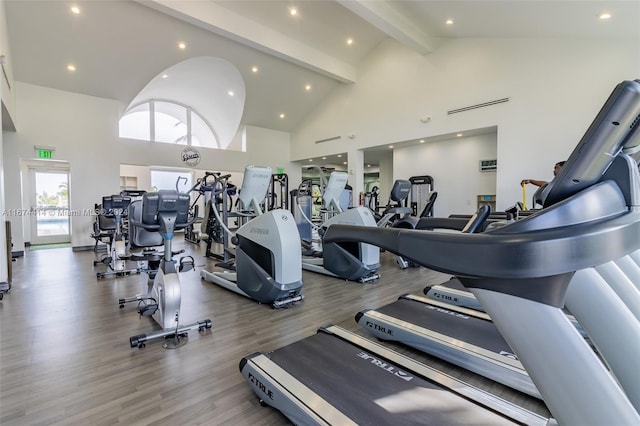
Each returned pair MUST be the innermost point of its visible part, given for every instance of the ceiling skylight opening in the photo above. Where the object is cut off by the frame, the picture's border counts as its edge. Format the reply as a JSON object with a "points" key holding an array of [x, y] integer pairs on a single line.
{"points": [[75, 10], [71, 67], [182, 45], [449, 22]]}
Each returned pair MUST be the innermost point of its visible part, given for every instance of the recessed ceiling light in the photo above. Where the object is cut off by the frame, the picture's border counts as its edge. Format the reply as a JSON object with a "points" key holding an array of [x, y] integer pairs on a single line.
{"points": [[307, 87], [324, 158], [230, 92], [459, 135], [421, 140], [344, 162], [282, 115], [349, 41], [75, 10], [293, 11], [254, 69], [605, 16], [391, 146], [71, 67], [339, 155], [310, 159], [182, 45], [164, 75], [368, 165], [449, 22]]}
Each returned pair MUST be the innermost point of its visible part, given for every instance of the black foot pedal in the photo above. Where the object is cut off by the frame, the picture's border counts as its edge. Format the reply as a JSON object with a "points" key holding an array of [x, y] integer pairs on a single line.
{"points": [[186, 264]]}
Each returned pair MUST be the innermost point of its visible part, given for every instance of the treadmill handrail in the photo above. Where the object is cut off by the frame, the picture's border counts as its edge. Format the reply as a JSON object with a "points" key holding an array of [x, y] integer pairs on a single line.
{"points": [[531, 253]]}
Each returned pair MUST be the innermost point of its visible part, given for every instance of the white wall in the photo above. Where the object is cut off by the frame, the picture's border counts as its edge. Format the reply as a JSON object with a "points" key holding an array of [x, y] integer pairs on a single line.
{"points": [[6, 86], [84, 130], [555, 86], [6, 103], [4, 256], [454, 166]]}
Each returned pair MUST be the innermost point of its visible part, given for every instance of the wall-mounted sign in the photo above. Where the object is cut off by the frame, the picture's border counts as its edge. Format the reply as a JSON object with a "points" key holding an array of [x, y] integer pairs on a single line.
{"points": [[44, 152], [488, 165], [190, 156]]}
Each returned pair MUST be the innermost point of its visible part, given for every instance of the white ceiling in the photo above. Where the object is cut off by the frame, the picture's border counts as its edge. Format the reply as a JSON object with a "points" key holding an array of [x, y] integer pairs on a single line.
{"points": [[118, 46]]}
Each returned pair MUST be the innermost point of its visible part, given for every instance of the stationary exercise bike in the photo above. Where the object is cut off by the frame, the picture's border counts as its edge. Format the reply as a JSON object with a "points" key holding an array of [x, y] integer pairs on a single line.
{"points": [[164, 212], [114, 211]]}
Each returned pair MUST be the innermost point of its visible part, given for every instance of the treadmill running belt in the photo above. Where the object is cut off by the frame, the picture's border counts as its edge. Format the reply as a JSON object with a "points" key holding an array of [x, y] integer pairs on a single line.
{"points": [[372, 391], [458, 326]]}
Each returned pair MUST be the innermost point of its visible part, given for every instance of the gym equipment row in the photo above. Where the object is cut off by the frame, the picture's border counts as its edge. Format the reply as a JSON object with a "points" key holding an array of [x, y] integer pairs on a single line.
{"points": [[522, 273]]}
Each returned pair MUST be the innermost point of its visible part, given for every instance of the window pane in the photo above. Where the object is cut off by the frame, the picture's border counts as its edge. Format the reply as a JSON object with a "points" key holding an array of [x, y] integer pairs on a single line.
{"points": [[161, 179], [201, 134], [135, 124], [171, 123]]}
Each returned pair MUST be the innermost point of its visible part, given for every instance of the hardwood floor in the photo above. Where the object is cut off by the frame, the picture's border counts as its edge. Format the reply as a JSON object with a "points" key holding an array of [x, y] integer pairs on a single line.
{"points": [[65, 355]]}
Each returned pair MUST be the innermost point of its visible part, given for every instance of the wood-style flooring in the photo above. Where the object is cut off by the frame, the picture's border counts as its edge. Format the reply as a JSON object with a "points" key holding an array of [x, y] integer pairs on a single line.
{"points": [[65, 357]]}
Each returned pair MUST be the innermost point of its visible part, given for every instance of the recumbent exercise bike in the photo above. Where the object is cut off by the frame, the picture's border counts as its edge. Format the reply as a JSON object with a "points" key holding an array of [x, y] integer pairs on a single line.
{"points": [[164, 212]]}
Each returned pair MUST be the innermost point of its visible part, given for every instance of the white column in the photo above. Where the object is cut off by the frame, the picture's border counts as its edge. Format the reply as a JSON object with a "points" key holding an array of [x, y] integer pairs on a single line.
{"points": [[355, 162], [4, 256]]}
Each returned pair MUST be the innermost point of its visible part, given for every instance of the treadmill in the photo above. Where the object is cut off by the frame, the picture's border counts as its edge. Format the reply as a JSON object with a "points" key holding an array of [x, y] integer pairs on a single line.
{"points": [[461, 336], [337, 377], [591, 216]]}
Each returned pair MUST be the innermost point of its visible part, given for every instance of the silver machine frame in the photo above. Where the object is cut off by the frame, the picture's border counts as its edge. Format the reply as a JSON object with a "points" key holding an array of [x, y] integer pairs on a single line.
{"points": [[164, 212]]}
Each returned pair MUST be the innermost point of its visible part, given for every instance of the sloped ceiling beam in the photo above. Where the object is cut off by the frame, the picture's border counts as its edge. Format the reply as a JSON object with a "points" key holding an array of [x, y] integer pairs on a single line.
{"points": [[382, 15], [222, 21]]}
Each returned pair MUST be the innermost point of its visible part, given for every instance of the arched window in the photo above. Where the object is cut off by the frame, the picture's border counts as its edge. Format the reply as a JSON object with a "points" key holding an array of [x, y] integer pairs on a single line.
{"points": [[168, 122], [197, 102]]}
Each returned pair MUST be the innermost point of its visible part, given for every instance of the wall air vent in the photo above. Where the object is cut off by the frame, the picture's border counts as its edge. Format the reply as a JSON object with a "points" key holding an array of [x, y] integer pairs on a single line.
{"points": [[482, 105], [335, 138]]}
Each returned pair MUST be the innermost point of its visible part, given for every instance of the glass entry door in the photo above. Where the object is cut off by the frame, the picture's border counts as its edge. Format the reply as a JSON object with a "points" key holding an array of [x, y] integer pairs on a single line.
{"points": [[50, 206]]}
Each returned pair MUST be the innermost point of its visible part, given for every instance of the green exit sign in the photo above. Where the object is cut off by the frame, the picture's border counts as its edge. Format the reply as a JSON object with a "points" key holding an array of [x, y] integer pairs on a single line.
{"points": [[45, 153]]}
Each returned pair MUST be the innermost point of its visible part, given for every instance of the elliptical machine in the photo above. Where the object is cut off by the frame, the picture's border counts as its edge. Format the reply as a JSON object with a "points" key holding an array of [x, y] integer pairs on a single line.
{"points": [[268, 258], [352, 261], [164, 212], [205, 190]]}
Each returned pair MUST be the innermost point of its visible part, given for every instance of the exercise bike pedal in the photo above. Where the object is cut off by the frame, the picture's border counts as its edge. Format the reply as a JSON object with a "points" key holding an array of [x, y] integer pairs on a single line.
{"points": [[186, 263], [148, 310]]}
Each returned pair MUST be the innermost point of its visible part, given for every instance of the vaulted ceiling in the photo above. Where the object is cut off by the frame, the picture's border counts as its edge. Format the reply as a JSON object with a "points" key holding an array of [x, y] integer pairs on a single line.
{"points": [[289, 62]]}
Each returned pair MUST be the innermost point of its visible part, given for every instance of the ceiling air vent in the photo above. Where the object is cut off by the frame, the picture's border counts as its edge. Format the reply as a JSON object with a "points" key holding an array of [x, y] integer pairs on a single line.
{"points": [[482, 105], [329, 139]]}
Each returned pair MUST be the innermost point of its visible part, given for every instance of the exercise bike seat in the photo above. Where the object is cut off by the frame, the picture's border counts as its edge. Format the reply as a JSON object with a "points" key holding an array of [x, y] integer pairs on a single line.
{"points": [[138, 236]]}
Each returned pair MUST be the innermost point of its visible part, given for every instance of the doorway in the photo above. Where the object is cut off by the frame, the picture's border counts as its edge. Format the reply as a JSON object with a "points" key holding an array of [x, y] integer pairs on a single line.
{"points": [[49, 201]]}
